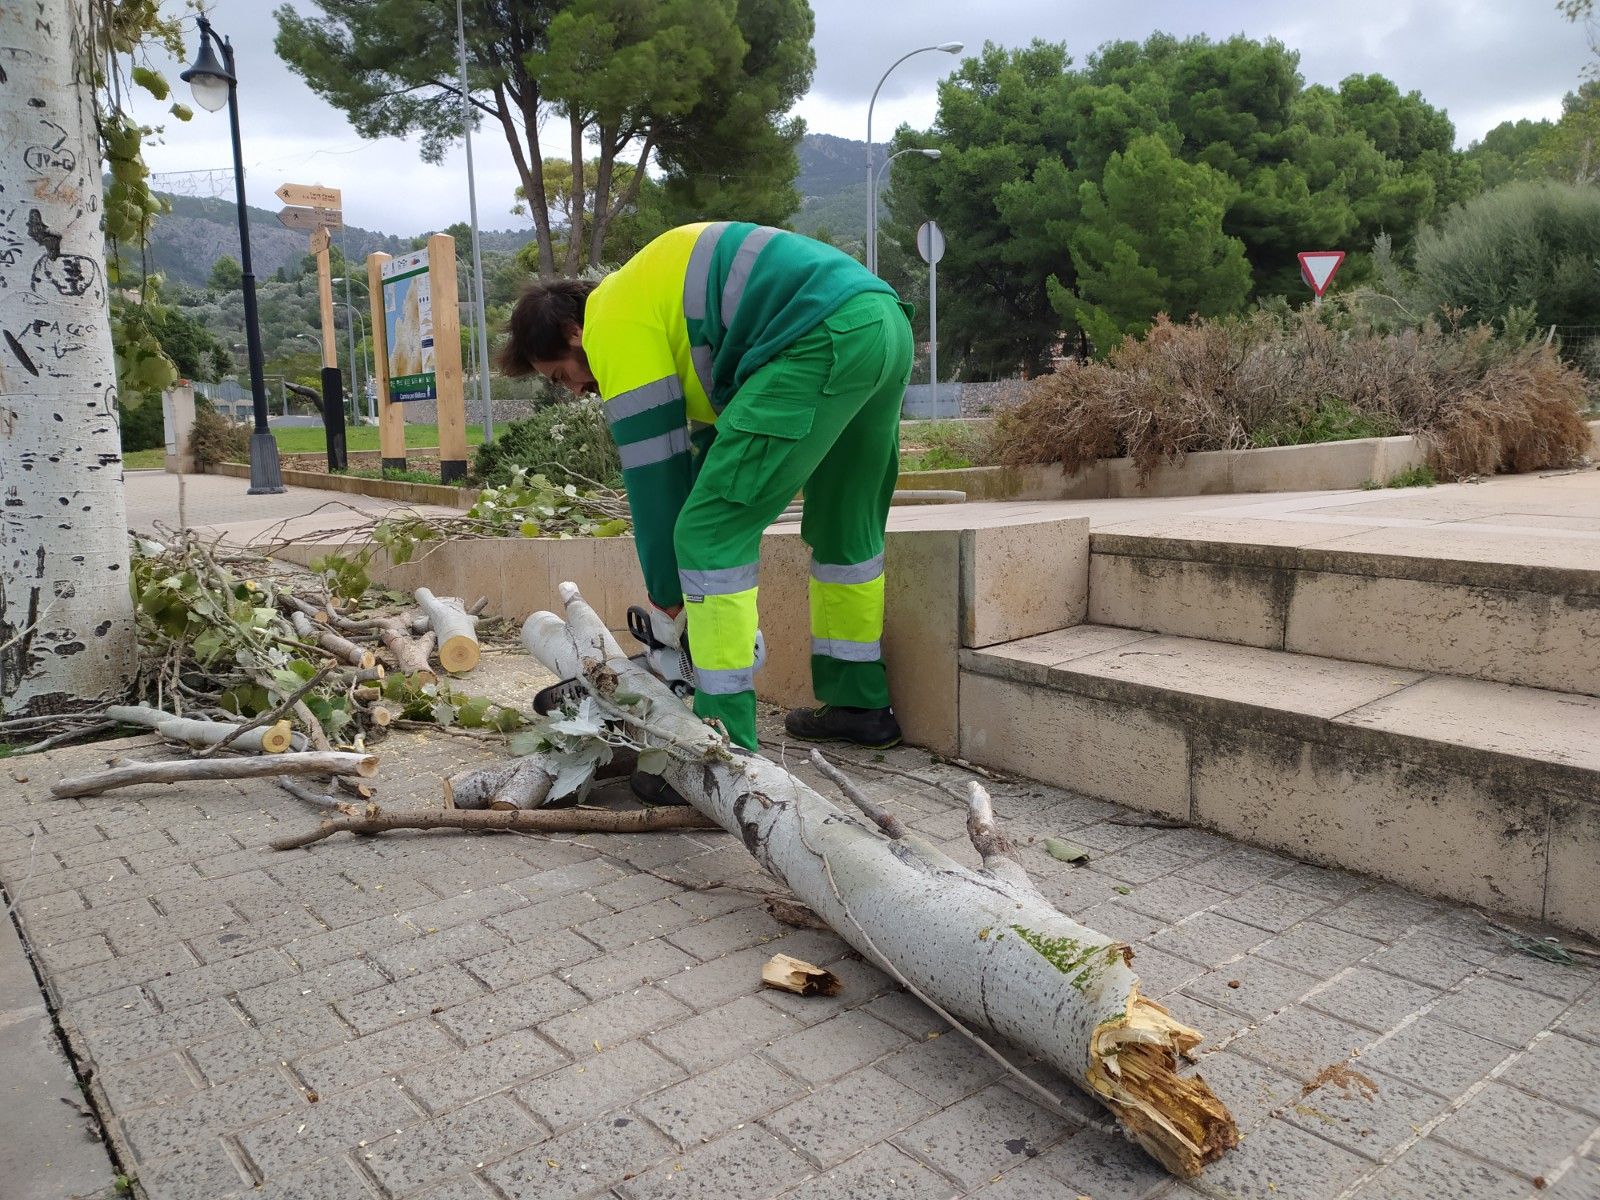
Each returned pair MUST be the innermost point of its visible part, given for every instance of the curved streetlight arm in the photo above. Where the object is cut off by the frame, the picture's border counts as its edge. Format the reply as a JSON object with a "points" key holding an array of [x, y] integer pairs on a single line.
{"points": [[872, 200]]}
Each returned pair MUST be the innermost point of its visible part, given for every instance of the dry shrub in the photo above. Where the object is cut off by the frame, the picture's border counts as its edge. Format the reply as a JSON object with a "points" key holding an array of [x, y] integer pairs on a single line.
{"points": [[1481, 403], [214, 439]]}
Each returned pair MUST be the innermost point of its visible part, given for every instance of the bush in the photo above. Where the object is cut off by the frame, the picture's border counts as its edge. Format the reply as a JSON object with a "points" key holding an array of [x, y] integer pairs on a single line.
{"points": [[214, 439], [1525, 245], [1481, 402], [566, 443], [142, 426]]}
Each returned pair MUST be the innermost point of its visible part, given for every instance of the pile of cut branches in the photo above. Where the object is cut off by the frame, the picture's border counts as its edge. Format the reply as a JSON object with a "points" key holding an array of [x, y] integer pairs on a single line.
{"points": [[231, 639]]}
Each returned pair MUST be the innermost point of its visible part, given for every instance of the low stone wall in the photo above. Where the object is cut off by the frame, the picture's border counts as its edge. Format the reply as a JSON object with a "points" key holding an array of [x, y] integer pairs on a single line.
{"points": [[969, 584], [1327, 466], [383, 489]]}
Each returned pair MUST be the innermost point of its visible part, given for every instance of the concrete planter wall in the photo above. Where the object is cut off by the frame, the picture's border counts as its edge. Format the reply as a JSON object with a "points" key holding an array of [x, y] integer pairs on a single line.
{"points": [[966, 585], [383, 489], [1328, 466]]}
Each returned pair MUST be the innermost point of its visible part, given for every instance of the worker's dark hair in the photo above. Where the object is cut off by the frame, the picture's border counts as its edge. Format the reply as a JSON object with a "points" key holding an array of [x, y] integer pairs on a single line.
{"points": [[540, 322]]}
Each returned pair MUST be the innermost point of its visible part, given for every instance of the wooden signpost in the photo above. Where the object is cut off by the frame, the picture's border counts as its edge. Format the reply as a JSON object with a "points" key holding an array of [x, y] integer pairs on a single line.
{"points": [[318, 209]]}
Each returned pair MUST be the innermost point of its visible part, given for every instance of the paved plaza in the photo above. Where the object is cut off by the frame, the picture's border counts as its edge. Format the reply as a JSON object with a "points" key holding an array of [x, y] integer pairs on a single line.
{"points": [[447, 1016]]}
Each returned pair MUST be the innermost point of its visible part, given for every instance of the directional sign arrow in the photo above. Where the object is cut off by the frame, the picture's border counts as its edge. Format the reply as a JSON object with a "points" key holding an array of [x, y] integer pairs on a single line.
{"points": [[311, 195], [310, 219]]}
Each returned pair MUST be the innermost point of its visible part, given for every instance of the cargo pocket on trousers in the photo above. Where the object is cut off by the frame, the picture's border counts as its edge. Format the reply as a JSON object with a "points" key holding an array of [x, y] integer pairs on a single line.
{"points": [[769, 428], [859, 361]]}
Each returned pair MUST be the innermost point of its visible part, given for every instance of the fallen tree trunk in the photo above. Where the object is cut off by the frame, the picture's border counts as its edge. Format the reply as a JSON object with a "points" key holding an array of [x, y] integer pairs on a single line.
{"points": [[455, 629], [273, 739], [566, 820], [981, 946], [330, 762]]}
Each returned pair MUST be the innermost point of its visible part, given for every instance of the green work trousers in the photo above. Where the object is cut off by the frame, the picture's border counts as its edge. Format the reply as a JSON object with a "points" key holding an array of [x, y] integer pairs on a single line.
{"points": [[822, 419]]}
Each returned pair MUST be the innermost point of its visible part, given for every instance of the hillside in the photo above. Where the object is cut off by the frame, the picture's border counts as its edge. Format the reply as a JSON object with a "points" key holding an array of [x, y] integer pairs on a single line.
{"points": [[185, 243], [832, 186]]}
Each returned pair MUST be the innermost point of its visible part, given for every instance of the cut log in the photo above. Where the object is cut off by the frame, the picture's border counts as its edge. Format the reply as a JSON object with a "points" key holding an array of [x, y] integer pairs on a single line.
{"points": [[474, 788], [312, 762], [528, 787], [521, 783], [383, 714], [341, 648], [410, 654], [800, 977], [978, 946], [273, 739], [455, 629], [567, 820]]}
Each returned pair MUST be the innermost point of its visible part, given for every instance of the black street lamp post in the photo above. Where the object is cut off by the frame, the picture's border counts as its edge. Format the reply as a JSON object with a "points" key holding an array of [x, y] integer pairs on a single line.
{"points": [[214, 84]]}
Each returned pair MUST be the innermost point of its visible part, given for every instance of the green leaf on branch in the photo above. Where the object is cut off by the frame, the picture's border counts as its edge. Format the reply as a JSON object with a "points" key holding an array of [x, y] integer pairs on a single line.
{"points": [[152, 81], [654, 760]]}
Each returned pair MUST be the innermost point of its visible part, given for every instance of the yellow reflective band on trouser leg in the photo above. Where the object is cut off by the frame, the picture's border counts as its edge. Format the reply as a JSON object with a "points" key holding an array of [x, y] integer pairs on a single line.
{"points": [[722, 641], [847, 610]]}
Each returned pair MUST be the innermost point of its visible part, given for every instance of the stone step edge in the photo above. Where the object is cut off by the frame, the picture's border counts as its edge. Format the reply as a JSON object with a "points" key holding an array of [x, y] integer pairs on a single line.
{"points": [[1526, 577], [1514, 769]]}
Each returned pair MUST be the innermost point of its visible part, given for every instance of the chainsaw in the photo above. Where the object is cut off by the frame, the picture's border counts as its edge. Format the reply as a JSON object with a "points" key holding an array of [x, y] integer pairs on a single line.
{"points": [[670, 664]]}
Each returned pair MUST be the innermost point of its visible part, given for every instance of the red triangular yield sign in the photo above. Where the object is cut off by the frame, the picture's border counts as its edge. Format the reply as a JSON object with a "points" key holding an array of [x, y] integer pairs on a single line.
{"points": [[1319, 267]]}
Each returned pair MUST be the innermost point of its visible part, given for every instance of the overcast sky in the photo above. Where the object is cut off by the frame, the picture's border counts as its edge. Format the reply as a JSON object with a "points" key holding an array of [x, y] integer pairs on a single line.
{"points": [[1484, 61]]}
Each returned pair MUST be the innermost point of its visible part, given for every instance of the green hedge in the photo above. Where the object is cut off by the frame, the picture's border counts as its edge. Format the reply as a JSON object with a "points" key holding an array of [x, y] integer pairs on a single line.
{"points": [[566, 443]]}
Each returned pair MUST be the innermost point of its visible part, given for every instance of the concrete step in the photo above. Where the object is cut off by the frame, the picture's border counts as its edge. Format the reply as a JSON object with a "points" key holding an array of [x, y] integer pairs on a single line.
{"points": [[1430, 600], [1476, 791]]}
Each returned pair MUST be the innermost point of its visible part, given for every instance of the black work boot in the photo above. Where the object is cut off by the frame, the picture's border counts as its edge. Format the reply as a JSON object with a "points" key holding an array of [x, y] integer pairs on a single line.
{"points": [[874, 728], [654, 790]]}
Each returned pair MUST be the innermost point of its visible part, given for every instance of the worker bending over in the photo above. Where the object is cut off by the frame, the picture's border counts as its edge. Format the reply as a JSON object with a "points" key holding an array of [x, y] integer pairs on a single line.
{"points": [[740, 366]]}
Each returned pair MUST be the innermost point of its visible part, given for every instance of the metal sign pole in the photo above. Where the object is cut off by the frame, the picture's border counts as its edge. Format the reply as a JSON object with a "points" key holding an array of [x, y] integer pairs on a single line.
{"points": [[933, 334]]}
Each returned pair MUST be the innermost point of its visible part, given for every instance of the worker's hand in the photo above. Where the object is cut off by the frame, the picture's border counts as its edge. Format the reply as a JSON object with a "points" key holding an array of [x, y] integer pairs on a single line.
{"points": [[668, 626]]}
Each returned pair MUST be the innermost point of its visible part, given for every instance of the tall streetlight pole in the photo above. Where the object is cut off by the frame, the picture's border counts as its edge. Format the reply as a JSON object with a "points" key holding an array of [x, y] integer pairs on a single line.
{"points": [[351, 317], [877, 185], [349, 327], [214, 84], [477, 254], [872, 198]]}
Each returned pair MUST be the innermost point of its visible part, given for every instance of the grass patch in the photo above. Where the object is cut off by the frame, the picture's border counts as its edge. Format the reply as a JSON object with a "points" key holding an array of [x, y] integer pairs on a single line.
{"points": [[309, 439], [1331, 420], [144, 460], [396, 475], [1419, 476], [948, 445]]}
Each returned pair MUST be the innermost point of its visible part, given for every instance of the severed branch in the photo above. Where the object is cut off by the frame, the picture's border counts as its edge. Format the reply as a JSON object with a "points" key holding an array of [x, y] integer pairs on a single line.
{"points": [[885, 820], [309, 763], [567, 820], [998, 852], [340, 647], [410, 654], [274, 739]]}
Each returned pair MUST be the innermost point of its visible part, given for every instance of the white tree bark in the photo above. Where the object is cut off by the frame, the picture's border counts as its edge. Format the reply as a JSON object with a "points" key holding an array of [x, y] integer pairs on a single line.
{"points": [[455, 629], [984, 945], [66, 617]]}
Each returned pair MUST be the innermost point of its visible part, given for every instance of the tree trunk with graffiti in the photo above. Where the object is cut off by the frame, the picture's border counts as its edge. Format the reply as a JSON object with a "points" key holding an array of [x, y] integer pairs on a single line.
{"points": [[66, 616]]}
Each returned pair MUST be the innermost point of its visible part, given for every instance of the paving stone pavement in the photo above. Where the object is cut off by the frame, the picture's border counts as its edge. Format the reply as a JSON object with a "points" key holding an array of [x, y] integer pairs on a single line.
{"points": [[454, 1017]]}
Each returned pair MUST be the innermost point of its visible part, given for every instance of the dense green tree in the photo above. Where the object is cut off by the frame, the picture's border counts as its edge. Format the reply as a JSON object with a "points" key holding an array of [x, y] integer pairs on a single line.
{"points": [[1505, 152], [226, 275], [659, 82], [994, 316], [1022, 132], [1571, 149], [1150, 241]]}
